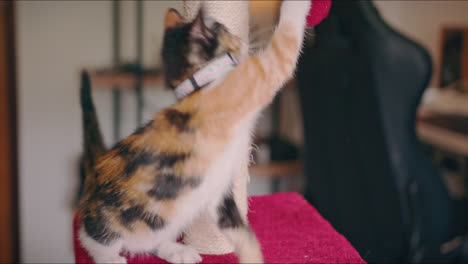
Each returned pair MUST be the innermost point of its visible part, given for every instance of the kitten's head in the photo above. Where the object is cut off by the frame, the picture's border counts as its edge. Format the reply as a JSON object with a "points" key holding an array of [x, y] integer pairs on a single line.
{"points": [[189, 46]]}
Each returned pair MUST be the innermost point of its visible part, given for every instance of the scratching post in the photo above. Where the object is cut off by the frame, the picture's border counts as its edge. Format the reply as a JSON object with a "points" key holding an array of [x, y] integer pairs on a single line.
{"points": [[233, 14], [204, 234]]}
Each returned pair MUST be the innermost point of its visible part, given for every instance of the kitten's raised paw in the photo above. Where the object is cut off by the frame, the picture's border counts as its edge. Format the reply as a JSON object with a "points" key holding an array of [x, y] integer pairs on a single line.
{"points": [[293, 9], [178, 253]]}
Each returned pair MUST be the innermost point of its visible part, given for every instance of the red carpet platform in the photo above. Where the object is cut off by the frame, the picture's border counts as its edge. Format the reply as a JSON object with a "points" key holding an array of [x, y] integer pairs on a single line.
{"points": [[290, 230]]}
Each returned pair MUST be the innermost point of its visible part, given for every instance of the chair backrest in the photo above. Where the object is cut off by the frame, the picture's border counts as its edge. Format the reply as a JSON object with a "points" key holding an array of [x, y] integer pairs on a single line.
{"points": [[360, 84]]}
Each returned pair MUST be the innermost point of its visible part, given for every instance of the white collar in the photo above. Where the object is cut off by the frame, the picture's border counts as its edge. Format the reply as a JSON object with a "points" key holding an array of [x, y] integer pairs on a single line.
{"points": [[214, 70]]}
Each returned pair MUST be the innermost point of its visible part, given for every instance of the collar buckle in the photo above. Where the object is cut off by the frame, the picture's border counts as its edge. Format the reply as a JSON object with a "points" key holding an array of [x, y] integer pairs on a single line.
{"points": [[214, 70]]}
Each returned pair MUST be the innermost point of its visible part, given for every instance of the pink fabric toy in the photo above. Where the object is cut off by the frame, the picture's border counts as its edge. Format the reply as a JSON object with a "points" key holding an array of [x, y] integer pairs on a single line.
{"points": [[318, 12]]}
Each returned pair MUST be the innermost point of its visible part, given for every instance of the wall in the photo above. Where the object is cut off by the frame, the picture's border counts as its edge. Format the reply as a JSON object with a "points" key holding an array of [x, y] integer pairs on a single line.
{"points": [[422, 21]]}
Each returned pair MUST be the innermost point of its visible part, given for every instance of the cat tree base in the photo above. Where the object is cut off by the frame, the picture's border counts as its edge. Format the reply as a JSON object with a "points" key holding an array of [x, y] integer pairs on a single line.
{"points": [[289, 229]]}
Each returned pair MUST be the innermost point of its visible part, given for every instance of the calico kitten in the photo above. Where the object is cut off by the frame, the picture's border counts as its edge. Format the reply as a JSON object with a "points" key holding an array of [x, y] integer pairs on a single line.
{"points": [[142, 193]]}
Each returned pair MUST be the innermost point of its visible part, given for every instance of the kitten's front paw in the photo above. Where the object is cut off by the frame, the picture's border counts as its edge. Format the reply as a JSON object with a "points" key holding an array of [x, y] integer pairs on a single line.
{"points": [[295, 10], [178, 253]]}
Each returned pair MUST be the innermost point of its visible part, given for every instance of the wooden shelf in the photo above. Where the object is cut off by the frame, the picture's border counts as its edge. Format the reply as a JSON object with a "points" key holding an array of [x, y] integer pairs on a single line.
{"points": [[442, 120], [281, 169], [448, 132], [123, 80], [125, 76]]}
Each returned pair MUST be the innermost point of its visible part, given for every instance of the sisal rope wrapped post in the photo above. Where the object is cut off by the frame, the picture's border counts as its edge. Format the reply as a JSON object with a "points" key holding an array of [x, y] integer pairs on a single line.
{"points": [[204, 234]]}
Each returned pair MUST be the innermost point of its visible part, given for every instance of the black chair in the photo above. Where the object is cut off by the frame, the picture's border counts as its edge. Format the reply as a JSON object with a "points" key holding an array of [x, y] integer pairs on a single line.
{"points": [[360, 83]]}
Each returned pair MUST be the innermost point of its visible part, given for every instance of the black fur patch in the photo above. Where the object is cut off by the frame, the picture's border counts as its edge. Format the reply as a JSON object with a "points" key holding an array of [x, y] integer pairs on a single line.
{"points": [[168, 160], [96, 228], [122, 149], [178, 119], [154, 221], [137, 213], [210, 49], [134, 159], [168, 186], [174, 53], [137, 160], [229, 216], [108, 195], [111, 198], [143, 158], [130, 215]]}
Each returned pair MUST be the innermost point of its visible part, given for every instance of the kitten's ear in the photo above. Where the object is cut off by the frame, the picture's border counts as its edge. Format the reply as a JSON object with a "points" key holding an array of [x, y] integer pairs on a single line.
{"points": [[199, 31], [172, 19]]}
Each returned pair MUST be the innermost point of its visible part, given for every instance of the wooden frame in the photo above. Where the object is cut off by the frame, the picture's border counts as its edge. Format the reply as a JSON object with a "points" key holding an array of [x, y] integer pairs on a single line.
{"points": [[9, 250], [462, 57]]}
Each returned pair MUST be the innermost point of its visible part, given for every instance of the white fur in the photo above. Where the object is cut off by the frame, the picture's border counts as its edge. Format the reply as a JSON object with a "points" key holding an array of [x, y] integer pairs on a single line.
{"points": [[178, 253], [101, 253], [296, 13]]}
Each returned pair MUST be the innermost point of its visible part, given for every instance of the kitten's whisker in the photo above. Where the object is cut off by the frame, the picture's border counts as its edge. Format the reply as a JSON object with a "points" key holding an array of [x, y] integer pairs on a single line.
{"points": [[310, 34]]}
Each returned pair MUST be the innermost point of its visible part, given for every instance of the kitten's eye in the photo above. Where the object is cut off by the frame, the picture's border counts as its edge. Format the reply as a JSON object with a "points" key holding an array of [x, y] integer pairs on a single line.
{"points": [[216, 27], [199, 30]]}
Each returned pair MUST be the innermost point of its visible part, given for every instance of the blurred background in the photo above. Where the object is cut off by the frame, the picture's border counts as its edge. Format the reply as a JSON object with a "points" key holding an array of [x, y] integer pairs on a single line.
{"points": [[373, 130]]}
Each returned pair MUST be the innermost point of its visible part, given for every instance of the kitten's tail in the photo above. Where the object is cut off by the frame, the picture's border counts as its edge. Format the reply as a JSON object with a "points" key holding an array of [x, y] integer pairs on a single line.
{"points": [[93, 144]]}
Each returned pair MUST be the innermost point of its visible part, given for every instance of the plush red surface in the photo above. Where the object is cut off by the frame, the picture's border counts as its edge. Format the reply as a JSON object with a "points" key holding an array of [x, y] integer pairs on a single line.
{"points": [[289, 229], [318, 12]]}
